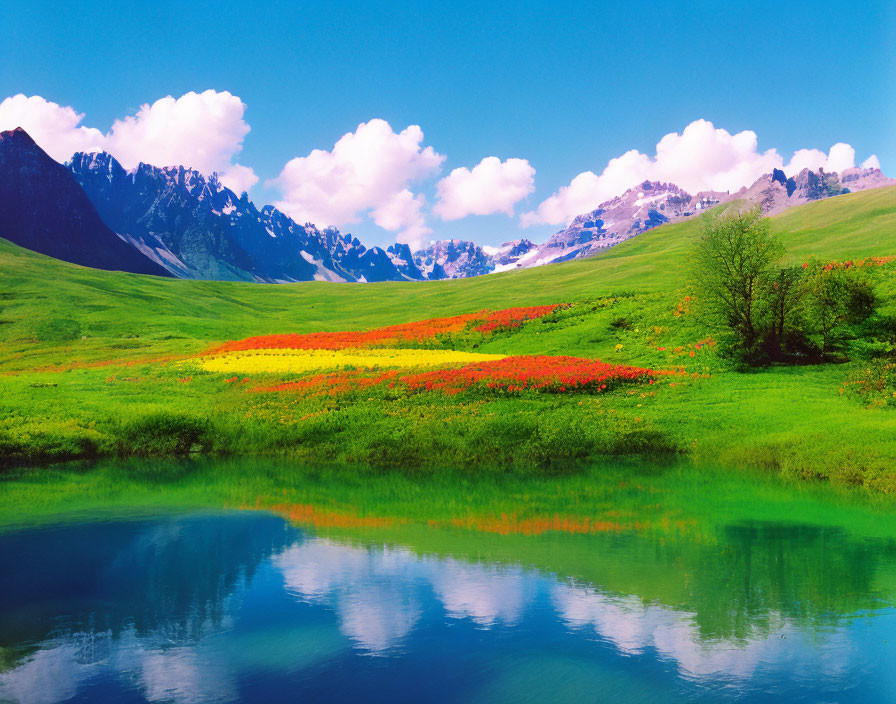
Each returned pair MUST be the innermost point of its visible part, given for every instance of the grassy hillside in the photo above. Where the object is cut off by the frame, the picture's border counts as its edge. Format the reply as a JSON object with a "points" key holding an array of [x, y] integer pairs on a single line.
{"points": [[630, 307], [116, 305]]}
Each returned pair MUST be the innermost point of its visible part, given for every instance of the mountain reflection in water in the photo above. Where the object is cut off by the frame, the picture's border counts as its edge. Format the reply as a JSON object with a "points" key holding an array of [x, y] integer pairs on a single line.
{"points": [[246, 606]]}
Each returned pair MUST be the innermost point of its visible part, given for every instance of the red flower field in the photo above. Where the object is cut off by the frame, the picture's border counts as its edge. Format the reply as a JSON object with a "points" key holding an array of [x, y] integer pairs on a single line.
{"points": [[485, 322], [509, 375], [536, 372]]}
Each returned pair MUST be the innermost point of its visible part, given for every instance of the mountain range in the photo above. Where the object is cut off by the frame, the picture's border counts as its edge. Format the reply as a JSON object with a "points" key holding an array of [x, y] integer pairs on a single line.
{"points": [[175, 221], [196, 228]]}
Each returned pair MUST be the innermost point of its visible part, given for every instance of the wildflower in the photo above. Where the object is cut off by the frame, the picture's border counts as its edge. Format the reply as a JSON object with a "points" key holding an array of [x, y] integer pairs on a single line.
{"points": [[319, 360], [485, 322]]}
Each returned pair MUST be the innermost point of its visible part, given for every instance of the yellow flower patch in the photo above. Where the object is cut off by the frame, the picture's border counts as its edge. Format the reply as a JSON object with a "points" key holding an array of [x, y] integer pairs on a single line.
{"points": [[300, 361]]}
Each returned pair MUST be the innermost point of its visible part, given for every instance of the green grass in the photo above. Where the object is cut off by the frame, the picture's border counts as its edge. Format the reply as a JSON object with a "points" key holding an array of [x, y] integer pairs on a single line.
{"points": [[628, 303]]}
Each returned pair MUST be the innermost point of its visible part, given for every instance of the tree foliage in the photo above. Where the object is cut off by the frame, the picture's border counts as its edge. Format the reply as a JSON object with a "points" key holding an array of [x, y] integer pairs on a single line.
{"points": [[735, 264], [774, 313], [834, 298]]}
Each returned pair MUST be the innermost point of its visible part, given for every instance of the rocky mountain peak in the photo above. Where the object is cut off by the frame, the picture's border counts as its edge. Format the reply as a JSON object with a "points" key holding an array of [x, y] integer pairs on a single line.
{"points": [[43, 208], [17, 136]]}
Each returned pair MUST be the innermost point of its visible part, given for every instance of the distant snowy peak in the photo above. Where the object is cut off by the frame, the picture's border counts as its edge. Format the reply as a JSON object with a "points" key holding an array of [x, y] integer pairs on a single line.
{"points": [[775, 192], [455, 259], [653, 203], [859, 179], [647, 205]]}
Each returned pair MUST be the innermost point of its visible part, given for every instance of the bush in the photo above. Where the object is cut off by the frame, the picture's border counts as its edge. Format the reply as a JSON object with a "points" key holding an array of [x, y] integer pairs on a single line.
{"points": [[835, 299], [25, 440], [166, 433]]}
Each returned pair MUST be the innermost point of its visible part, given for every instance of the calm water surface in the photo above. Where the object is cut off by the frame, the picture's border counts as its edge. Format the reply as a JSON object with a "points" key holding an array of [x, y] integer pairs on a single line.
{"points": [[218, 606]]}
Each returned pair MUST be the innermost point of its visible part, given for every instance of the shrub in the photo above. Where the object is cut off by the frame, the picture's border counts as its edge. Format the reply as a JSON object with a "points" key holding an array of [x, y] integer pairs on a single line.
{"points": [[835, 298], [874, 383], [166, 433]]}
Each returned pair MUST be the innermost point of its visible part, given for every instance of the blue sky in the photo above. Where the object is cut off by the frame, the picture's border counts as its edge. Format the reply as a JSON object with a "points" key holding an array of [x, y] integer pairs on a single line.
{"points": [[564, 86]]}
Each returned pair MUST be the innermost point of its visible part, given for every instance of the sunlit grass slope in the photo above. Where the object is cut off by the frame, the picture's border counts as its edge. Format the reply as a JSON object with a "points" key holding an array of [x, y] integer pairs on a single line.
{"points": [[118, 305]]}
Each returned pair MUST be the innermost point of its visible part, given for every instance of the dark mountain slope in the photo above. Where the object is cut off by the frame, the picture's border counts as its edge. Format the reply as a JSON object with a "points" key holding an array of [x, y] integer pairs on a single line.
{"points": [[43, 208]]}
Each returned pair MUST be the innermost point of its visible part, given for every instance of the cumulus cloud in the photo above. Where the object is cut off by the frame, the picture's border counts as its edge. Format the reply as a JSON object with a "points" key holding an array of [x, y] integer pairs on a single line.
{"points": [[368, 171], [54, 127], [841, 156], [700, 158], [872, 162], [403, 213], [203, 131], [238, 178], [492, 186]]}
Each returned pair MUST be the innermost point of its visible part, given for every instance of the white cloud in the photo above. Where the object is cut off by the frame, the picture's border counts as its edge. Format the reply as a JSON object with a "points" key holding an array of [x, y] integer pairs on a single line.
{"points": [[238, 178], [841, 156], [700, 158], [54, 127], [703, 158], [402, 213], [203, 131], [368, 171], [492, 186], [872, 162]]}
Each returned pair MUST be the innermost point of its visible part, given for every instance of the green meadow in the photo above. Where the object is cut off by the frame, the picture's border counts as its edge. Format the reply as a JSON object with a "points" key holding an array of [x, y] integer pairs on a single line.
{"points": [[631, 305]]}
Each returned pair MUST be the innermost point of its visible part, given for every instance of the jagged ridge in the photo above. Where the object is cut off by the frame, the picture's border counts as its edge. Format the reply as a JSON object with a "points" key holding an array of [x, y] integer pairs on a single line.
{"points": [[197, 228], [647, 205]]}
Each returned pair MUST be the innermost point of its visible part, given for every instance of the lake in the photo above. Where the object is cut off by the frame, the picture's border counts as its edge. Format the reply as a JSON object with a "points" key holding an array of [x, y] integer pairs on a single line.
{"points": [[261, 581]]}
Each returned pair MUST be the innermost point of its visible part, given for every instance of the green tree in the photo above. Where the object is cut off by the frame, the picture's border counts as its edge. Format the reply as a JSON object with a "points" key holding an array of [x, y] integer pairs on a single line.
{"points": [[835, 298], [735, 268]]}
